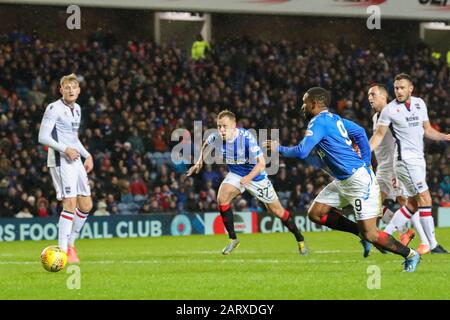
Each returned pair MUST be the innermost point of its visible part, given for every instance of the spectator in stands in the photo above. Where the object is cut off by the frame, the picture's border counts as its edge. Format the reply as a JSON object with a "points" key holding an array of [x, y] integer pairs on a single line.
{"points": [[192, 203], [146, 89], [137, 186], [101, 209], [445, 185], [445, 201], [42, 208], [6, 210], [199, 48]]}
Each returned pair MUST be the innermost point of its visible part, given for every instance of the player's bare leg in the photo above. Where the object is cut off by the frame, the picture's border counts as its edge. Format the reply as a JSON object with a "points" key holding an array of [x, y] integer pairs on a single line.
{"points": [[226, 194], [277, 209], [368, 229], [426, 219], [66, 222], [81, 214]]}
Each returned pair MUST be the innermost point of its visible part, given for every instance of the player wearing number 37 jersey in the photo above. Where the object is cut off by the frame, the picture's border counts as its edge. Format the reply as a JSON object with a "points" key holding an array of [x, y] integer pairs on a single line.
{"points": [[354, 184], [244, 158]]}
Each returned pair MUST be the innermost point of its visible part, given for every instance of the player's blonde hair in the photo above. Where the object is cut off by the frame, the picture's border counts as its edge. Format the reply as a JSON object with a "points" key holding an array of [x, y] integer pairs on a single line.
{"points": [[69, 77], [226, 113]]}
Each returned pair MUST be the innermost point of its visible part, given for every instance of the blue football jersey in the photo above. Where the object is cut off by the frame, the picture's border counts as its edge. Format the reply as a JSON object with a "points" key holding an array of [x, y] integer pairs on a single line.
{"points": [[239, 154], [331, 135]]}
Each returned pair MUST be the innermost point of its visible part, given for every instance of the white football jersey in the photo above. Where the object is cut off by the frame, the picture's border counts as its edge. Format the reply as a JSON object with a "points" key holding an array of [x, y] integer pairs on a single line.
{"points": [[406, 126], [59, 130], [387, 149]]}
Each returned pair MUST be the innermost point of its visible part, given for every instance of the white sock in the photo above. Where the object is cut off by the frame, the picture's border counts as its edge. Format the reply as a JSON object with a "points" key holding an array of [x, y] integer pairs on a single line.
{"points": [[78, 223], [426, 219], [401, 217], [418, 226], [65, 227], [387, 215], [403, 229]]}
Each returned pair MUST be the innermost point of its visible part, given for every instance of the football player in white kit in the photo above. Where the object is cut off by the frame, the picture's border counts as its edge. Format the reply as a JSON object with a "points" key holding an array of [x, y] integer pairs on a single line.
{"points": [[407, 117], [391, 188], [59, 131]]}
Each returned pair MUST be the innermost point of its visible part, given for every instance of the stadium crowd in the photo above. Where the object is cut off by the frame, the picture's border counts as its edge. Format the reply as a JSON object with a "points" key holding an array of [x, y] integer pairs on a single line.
{"points": [[134, 95]]}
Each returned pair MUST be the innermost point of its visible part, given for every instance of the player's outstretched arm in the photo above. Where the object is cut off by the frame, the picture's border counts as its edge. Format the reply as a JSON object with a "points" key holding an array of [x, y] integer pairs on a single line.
{"points": [[433, 134], [304, 148], [195, 169], [377, 137]]}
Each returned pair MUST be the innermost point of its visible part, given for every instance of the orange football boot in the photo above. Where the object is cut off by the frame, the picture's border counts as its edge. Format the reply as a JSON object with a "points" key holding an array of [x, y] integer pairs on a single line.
{"points": [[72, 256]]}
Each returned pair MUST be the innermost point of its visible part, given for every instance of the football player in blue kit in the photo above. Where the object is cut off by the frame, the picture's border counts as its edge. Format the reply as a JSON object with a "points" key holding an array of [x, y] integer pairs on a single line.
{"points": [[355, 183], [245, 161]]}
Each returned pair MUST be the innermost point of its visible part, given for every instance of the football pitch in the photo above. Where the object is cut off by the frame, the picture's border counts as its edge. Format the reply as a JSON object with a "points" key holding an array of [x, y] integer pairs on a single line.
{"points": [[265, 266]]}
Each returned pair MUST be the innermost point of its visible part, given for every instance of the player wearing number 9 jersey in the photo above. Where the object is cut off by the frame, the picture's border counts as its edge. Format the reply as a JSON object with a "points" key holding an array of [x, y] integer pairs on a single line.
{"points": [[354, 184], [244, 158]]}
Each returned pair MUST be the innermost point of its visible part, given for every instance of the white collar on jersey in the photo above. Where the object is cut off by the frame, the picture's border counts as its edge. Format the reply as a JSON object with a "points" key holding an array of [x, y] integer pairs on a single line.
{"points": [[235, 136]]}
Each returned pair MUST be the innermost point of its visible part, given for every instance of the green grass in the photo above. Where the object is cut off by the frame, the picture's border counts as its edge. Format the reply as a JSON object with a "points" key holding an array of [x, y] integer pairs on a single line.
{"points": [[265, 266]]}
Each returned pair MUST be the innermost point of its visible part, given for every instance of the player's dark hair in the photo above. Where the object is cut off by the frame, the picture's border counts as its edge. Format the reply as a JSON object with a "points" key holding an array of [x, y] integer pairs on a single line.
{"points": [[226, 113], [319, 95], [381, 87], [403, 76]]}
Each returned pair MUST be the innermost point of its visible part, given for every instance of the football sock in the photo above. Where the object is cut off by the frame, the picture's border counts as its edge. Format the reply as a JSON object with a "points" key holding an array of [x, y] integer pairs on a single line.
{"points": [[227, 217], [78, 223], [388, 242], [387, 215], [65, 227], [337, 221], [427, 222], [415, 219], [401, 217], [288, 221]]}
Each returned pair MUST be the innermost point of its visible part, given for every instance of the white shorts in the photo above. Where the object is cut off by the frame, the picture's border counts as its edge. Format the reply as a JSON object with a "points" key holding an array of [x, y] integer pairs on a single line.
{"points": [[70, 180], [412, 174], [361, 191], [389, 184], [263, 190]]}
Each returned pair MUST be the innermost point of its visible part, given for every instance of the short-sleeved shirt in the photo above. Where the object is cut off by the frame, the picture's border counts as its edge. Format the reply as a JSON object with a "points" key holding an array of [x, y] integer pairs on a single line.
{"points": [[240, 153], [406, 124]]}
